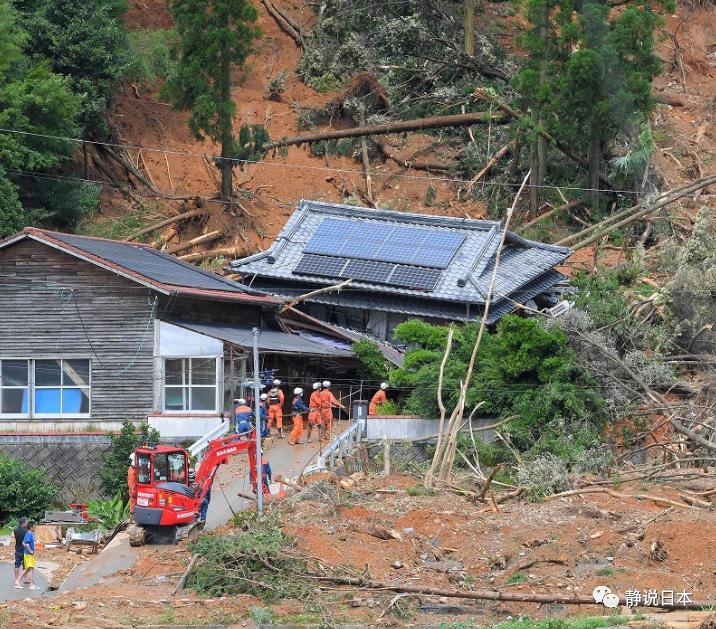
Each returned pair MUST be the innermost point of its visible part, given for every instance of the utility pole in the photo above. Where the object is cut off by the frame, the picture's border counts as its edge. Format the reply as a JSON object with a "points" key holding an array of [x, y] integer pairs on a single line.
{"points": [[469, 15], [257, 411]]}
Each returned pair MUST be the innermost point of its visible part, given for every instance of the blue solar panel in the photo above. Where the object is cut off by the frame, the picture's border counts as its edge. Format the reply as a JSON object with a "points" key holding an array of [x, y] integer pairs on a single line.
{"points": [[385, 242]]}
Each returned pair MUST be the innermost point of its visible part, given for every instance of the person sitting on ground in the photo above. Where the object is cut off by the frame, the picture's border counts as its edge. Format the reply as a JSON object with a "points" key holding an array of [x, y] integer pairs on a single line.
{"points": [[28, 558]]}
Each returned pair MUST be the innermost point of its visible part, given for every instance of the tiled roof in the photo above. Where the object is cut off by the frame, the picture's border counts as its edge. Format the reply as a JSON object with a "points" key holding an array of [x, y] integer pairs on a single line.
{"points": [[147, 266], [465, 280]]}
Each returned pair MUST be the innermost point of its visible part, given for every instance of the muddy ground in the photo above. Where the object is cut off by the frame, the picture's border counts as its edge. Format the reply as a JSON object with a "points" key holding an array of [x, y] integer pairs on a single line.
{"points": [[565, 545]]}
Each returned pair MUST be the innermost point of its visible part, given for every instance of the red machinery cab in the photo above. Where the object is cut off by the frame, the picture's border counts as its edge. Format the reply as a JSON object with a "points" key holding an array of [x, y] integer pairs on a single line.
{"points": [[164, 496]]}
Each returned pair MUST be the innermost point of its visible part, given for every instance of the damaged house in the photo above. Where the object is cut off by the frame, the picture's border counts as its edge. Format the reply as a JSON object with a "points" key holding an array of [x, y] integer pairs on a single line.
{"points": [[94, 331], [401, 266]]}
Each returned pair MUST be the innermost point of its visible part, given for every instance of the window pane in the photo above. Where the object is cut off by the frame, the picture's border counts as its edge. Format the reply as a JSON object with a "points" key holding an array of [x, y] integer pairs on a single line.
{"points": [[14, 401], [14, 373], [160, 467], [47, 401], [143, 476], [174, 369], [177, 467], [75, 400], [48, 373], [174, 398], [203, 398], [203, 371], [76, 373]]}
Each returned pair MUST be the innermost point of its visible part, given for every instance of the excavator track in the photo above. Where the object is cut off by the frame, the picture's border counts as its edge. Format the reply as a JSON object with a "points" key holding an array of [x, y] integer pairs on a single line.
{"points": [[137, 535]]}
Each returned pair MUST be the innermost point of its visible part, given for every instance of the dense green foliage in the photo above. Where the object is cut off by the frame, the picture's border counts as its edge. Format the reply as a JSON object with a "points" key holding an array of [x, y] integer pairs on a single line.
{"points": [[109, 513], [214, 40], [60, 64], [24, 490], [86, 41], [254, 559], [373, 363], [523, 371], [115, 461]]}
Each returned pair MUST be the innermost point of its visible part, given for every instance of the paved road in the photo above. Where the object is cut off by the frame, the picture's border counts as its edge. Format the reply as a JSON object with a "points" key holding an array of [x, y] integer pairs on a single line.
{"points": [[7, 578], [233, 478], [117, 555]]}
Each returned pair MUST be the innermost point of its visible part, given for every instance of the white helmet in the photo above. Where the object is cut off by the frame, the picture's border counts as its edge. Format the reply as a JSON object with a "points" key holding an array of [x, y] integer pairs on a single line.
{"points": [[240, 400], [298, 391], [264, 396], [384, 385], [276, 383], [326, 383], [131, 459], [316, 385]]}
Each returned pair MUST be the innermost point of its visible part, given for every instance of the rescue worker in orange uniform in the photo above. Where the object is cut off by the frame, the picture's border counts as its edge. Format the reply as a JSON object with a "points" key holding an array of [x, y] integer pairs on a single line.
{"points": [[377, 399], [242, 416], [298, 408], [132, 483], [314, 411], [275, 407], [328, 403]]}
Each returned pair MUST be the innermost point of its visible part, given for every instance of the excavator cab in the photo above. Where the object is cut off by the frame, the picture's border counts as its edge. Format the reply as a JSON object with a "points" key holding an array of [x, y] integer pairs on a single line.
{"points": [[164, 496]]}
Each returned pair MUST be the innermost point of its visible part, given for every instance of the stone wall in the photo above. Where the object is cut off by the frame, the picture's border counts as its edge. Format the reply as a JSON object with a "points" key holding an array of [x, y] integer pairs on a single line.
{"points": [[71, 461]]}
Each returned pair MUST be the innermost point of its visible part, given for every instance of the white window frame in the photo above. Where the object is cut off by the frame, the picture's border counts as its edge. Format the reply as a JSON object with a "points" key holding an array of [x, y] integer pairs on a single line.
{"points": [[28, 388], [188, 386], [32, 413]]}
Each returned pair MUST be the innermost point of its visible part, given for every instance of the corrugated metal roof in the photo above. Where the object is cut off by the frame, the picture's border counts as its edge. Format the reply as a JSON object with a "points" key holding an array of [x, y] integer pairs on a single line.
{"points": [[270, 341], [148, 265], [466, 279]]}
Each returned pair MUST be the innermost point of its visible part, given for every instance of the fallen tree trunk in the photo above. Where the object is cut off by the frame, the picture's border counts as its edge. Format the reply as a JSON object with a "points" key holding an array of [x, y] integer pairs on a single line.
{"points": [[636, 212], [185, 574], [284, 23], [554, 210], [496, 158], [223, 252], [168, 221], [513, 113], [415, 164], [436, 122], [199, 240], [489, 595]]}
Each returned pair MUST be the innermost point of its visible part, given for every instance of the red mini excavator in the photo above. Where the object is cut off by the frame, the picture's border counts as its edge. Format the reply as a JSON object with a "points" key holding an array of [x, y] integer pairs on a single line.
{"points": [[168, 501]]}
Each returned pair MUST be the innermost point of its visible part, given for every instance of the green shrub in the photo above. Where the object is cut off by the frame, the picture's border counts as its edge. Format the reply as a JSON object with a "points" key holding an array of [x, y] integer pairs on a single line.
{"points": [[115, 461], [24, 490], [373, 363], [389, 408], [109, 513], [152, 59]]}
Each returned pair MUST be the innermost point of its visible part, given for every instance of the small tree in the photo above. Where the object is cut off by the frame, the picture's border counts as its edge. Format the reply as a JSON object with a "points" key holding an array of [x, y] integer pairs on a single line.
{"points": [[215, 39], [115, 461], [23, 490]]}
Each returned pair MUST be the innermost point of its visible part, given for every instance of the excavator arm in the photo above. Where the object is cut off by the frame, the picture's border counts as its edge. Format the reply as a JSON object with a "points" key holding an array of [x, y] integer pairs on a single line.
{"points": [[217, 453]]}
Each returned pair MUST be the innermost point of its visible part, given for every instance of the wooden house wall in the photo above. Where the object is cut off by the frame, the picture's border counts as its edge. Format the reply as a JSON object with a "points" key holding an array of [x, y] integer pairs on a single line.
{"points": [[39, 319]]}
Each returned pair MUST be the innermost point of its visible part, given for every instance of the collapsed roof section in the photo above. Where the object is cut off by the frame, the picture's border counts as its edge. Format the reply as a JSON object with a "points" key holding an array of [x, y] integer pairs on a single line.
{"points": [[423, 265]]}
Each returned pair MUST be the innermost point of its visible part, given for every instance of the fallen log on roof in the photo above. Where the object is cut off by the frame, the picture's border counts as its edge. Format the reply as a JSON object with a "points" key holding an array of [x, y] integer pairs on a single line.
{"points": [[435, 122]]}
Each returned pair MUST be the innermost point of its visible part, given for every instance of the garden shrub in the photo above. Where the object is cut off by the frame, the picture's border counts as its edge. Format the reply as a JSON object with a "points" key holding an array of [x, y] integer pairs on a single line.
{"points": [[24, 490]]}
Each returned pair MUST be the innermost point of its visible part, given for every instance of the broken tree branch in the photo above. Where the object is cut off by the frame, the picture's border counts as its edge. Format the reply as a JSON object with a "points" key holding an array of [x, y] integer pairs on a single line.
{"points": [[554, 210], [582, 161], [185, 574], [488, 482], [168, 221], [614, 494], [325, 289], [416, 164], [495, 158], [223, 252], [199, 240], [601, 229], [487, 595], [456, 120]]}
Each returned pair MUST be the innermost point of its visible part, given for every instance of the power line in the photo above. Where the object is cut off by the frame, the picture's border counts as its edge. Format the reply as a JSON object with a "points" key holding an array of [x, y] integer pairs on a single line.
{"points": [[288, 165]]}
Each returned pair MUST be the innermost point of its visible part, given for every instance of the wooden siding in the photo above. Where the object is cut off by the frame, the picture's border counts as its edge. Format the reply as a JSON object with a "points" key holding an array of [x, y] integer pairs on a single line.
{"points": [[38, 319]]}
